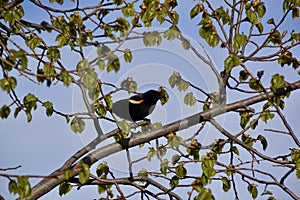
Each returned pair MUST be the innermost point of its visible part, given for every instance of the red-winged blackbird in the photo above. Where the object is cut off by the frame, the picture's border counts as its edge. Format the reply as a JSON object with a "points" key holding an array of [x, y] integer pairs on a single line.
{"points": [[136, 107]]}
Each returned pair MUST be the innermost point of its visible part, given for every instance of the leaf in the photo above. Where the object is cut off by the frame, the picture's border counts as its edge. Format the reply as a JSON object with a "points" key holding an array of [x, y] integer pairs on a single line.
{"points": [[8, 83], [49, 108], [113, 63], [84, 173], [183, 85], [252, 16], [127, 55], [175, 159], [102, 169], [231, 61], [174, 141], [32, 42], [226, 184], [171, 33], [24, 188], [4, 112], [245, 118], [196, 10], [82, 66], [66, 78], [174, 181], [243, 75], [204, 194], [151, 153], [252, 189], [77, 125], [261, 10], [67, 173], [189, 99], [124, 126], [164, 96], [235, 150], [180, 170], [64, 188], [239, 41], [266, 116], [263, 141], [13, 186], [164, 167]]}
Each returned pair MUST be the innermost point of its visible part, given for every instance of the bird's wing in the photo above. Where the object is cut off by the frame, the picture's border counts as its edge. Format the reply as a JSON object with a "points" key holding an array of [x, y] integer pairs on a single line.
{"points": [[136, 99]]}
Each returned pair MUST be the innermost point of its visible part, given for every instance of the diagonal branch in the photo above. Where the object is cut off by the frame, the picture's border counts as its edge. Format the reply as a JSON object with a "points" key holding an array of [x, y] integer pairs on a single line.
{"points": [[47, 185]]}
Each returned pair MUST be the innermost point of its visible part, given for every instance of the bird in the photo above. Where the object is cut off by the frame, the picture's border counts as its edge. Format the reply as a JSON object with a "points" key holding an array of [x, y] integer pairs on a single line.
{"points": [[137, 107]]}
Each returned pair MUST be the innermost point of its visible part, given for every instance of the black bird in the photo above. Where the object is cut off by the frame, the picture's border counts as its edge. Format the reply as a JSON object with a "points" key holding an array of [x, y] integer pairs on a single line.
{"points": [[137, 107]]}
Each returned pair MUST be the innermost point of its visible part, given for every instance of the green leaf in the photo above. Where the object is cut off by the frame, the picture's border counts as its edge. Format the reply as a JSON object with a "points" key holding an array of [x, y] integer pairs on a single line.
{"points": [[277, 82], [77, 125], [180, 170], [24, 188], [102, 169], [271, 21], [196, 10], [239, 41], [30, 102], [4, 112], [231, 61], [174, 181], [175, 159], [164, 96], [64, 188], [118, 2], [208, 167], [128, 10], [49, 108], [266, 116], [204, 194], [143, 173], [183, 85], [244, 75], [101, 64], [84, 173], [90, 79], [127, 55], [82, 66], [66, 78], [252, 189], [255, 85], [189, 99], [226, 184], [8, 83], [245, 118], [235, 150], [124, 126], [103, 50], [171, 33], [261, 10], [151, 153], [174, 140], [113, 63], [67, 173], [13, 186], [53, 53], [164, 167], [32, 42], [263, 141], [129, 84], [252, 16]]}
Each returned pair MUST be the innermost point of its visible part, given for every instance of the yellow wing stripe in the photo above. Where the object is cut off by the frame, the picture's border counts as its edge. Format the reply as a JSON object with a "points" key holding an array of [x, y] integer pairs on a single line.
{"points": [[136, 101]]}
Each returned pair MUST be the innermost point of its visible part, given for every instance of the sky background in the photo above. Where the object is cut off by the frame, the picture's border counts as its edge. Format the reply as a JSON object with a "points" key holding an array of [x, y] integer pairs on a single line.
{"points": [[44, 144]]}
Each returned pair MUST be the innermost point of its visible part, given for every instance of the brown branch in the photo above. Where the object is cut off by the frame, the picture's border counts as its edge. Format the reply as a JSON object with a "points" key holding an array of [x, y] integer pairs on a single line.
{"points": [[45, 186]]}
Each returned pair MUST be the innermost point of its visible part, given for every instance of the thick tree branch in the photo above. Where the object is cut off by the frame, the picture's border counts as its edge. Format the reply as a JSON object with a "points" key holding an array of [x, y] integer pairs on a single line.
{"points": [[46, 185]]}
